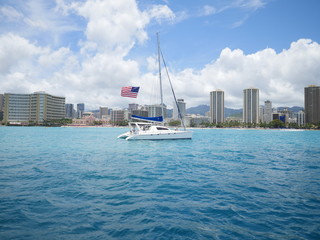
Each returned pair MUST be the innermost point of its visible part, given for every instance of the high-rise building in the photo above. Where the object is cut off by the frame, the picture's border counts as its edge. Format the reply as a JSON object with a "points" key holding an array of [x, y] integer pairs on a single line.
{"points": [[37, 107], [16, 108], [156, 110], [182, 108], [285, 114], [133, 106], [103, 112], [251, 105], [261, 112], [118, 115], [140, 112], [217, 106], [312, 104], [300, 118], [1, 102], [69, 110], [80, 110], [267, 113], [1, 106]]}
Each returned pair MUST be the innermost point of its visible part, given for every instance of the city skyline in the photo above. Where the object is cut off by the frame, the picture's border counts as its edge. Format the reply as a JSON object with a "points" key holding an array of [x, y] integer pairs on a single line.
{"points": [[208, 103], [75, 49], [261, 102], [40, 107]]}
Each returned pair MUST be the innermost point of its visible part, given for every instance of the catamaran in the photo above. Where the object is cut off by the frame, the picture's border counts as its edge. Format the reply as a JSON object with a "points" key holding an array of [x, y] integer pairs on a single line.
{"points": [[152, 128]]}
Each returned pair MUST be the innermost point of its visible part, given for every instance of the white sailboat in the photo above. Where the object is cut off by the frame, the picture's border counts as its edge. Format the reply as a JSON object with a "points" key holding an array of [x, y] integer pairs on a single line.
{"points": [[152, 128]]}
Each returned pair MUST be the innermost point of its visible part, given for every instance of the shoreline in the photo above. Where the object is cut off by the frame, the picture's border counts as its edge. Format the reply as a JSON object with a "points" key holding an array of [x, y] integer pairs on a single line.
{"points": [[191, 128]]}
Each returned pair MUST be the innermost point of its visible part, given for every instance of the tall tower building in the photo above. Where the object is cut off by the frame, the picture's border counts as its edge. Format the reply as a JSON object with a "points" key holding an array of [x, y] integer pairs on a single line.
{"points": [[80, 109], [217, 106], [312, 104], [69, 110], [251, 105], [261, 113], [267, 114], [300, 118], [103, 112], [182, 109]]}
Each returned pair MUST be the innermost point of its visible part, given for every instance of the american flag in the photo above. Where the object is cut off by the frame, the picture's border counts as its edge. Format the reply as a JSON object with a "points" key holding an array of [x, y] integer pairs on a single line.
{"points": [[130, 92]]}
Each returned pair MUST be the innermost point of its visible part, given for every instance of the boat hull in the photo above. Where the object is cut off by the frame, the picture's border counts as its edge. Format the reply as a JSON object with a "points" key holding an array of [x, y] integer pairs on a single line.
{"points": [[148, 131], [124, 135], [160, 136]]}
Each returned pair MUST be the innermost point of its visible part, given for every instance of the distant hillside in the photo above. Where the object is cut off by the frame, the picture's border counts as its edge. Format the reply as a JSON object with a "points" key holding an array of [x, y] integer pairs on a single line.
{"points": [[232, 112], [202, 109], [294, 109], [236, 115]]}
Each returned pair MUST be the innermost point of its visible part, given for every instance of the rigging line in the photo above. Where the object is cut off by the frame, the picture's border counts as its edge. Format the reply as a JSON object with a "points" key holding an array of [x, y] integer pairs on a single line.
{"points": [[174, 95]]}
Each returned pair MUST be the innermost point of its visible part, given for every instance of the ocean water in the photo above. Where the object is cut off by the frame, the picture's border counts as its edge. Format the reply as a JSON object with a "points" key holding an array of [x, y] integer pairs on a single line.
{"points": [[84, 183]]}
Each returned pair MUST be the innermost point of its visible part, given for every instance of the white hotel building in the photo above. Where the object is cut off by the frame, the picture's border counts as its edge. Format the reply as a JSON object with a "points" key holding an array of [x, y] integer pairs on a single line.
{"points": [[182, 109], [251, 105], [35, 108], [217, 106]]}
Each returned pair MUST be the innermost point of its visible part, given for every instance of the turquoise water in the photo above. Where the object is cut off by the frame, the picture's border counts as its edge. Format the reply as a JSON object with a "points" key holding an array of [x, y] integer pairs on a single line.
{"points": [[84, 183]]}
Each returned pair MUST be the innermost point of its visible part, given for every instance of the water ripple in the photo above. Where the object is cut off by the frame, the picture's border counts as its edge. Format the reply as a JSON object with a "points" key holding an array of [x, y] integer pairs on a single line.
{"points": [[65, 183]]}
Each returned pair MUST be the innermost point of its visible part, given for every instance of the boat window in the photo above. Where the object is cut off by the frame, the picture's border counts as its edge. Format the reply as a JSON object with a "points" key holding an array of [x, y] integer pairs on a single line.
{"points": [[146, 127], [162, 128]]}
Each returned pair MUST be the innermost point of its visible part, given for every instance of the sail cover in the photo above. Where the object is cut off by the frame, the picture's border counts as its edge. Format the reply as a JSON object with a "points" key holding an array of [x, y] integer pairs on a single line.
{"points": [[150, 119]]}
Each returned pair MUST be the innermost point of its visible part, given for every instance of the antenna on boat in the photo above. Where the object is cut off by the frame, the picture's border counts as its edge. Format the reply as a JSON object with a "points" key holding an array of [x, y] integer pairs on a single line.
{"points": [[159, 62]]}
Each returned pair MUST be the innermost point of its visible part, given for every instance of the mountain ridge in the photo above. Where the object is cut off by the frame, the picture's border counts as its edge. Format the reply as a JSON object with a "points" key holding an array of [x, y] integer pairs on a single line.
{"points": [[202, 109]]}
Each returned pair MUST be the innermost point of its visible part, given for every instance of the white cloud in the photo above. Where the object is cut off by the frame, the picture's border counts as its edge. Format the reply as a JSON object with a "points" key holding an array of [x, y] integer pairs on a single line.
{"points": [[281, 77], [247, 6], [37, 20], [152, 64], [36, 24], [95, 73], [96, 80], [11, 13], [251, 4], [116, 26], [113, 26], [240, 22], [16, 52], [161, 12], [207, 10]]}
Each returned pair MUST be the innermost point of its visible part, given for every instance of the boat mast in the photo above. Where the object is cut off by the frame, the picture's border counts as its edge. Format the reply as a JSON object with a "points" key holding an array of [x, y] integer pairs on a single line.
{"points": [[159, 62]]}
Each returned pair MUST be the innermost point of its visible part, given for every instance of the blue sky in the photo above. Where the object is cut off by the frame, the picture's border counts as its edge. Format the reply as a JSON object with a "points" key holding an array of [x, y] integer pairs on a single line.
{"points": [[87, 50], [248, 25]]}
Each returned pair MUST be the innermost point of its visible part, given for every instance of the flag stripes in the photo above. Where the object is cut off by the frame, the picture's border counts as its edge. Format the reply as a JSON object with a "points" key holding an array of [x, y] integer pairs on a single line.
{"points": [[129, 92]]}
